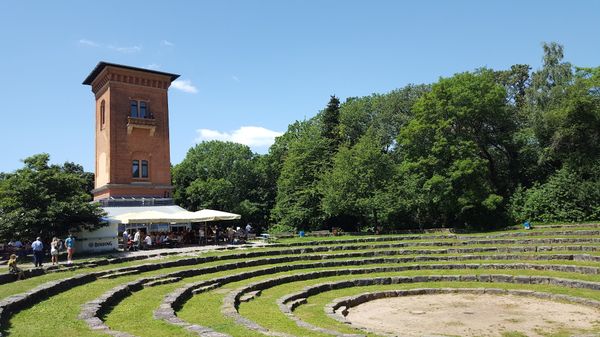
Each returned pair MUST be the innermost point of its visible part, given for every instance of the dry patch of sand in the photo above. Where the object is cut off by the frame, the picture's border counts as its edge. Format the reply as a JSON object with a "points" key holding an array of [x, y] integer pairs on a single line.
{"points": [[471, 315]]}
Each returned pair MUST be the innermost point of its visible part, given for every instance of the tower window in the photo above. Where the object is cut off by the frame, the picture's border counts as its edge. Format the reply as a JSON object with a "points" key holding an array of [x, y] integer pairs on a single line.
{"points": [[133, 108], [143, 110], [136, 169], [102, 114], [139, 109], [144, 169]]}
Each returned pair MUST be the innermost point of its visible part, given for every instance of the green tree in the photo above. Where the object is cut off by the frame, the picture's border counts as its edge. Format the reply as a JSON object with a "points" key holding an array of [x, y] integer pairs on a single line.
{"points": [[385, 114], [457, 150], [356, 184], [280, 148], [305, 169], [568, 195], [548, 84], [561, 138], [563, 114], [548, 90], [298, 201], [574, 127], [46, 200], [330, 121], [516, 81], [219, 175]]}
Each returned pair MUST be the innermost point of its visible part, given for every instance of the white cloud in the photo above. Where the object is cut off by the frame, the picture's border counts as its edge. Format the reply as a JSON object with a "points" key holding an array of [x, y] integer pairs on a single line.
{"points": [[167, 43], [89, 43], [253, 136], [153, 66], [126, 50], [185, 86], [235, 78]]}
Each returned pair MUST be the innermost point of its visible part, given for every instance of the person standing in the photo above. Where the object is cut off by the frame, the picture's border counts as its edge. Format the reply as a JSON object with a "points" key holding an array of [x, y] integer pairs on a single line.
{"points": [[248, 228], [125, 237], [54, 246], [70, 243], [136, 240], [201, 236], [38, 252]]}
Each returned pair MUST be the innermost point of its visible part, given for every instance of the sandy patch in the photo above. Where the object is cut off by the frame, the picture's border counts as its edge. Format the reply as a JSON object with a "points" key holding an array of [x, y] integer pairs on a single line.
{"points": [[471, 315]]}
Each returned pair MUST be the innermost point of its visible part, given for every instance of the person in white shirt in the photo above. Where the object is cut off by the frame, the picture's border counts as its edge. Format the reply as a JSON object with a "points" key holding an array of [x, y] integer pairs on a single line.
{"points": [[54, 246], [136, 239], [148, 241], [201, 236]]}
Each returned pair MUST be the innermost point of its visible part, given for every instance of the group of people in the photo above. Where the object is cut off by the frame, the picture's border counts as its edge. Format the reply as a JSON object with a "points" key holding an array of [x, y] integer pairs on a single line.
{"points": [[18, 247], [39, 252], [55, 246], [142, 240], [229, 235]]}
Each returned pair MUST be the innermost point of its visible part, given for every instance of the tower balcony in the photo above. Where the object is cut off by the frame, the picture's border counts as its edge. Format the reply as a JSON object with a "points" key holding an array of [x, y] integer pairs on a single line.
{"points": [[141, 123]]}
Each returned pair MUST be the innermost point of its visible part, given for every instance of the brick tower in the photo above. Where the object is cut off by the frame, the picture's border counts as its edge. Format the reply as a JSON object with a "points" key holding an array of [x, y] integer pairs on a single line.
{"points": [[132, 132]]}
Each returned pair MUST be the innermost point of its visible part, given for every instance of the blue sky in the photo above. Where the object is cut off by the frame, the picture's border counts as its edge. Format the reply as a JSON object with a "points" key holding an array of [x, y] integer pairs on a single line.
{"points": [[250, 68]]}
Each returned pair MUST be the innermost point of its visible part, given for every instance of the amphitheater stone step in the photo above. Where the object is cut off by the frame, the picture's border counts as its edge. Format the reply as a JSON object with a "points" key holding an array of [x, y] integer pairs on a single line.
{"points": [[162, 281], [250, 296], [203, 289], [119, 274], [295, 303]]}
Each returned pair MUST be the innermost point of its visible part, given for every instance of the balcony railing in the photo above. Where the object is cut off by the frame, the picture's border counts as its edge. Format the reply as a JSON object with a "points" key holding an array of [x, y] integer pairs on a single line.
{"points": [[141, 123]]}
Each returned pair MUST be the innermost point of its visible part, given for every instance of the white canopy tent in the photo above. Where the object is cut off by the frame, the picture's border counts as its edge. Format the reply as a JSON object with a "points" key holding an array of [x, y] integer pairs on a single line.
{"points": [[212, 215], [152, 218], [165, 214]]}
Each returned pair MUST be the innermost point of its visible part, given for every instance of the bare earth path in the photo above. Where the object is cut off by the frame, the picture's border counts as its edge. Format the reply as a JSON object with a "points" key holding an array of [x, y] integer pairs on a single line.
{"points": [[470, 315]]}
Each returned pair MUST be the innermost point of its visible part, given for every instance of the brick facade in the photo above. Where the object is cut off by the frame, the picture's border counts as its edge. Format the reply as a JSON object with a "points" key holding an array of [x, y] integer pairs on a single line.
{"points": [[122, 138]]}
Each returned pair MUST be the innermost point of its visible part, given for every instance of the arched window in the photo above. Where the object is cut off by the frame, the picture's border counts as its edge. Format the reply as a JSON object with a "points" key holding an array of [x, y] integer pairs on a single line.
{"points": [[102, 114]]}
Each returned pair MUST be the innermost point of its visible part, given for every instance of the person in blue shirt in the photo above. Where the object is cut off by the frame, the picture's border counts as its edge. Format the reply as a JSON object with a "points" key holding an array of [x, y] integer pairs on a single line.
{"points": [[38, 252], [70, 244]]}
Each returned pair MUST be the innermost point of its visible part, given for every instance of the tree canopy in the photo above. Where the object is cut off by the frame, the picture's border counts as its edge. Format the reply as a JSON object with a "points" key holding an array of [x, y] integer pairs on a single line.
{"points": [[481, 148], [46, 200], [224, 176]]}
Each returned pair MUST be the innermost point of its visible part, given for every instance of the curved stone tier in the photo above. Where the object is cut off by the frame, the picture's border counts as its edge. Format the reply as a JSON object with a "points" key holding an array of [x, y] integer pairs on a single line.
{"points": [[322, 266]]}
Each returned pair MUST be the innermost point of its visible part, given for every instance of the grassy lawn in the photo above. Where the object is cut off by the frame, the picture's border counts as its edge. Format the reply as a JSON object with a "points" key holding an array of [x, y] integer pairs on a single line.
{"points": [[134, 314]]}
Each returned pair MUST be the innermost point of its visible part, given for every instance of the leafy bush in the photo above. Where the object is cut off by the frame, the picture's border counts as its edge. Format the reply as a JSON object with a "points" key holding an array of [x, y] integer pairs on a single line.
{"points": [[281, 228], [566, 196]]}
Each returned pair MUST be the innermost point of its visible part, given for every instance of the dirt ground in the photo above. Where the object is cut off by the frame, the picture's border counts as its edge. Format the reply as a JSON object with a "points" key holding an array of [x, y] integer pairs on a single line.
{"points": [[471, 315]]}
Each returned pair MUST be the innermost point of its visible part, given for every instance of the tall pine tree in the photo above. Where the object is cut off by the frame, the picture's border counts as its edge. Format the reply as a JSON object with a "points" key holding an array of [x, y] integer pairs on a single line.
{"points": [[331, 123]]}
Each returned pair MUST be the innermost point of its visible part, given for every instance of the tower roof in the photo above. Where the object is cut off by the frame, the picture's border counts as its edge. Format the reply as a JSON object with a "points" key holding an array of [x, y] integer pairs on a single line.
{"points": [[101, 65]]}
